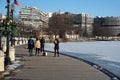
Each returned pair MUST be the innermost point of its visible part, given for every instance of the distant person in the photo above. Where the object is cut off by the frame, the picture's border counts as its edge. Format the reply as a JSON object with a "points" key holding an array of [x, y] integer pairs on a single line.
{"points": [[31, 46], [37, 47], [42, 41], [56, 47]]}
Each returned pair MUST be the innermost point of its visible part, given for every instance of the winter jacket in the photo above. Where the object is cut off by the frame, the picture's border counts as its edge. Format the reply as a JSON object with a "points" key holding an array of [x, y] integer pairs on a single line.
{"points": [[37, 44]]}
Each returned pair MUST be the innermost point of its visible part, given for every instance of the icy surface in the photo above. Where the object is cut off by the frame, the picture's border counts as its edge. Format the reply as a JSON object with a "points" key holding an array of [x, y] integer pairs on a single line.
{"points": [[103, 53], [14, 65]]}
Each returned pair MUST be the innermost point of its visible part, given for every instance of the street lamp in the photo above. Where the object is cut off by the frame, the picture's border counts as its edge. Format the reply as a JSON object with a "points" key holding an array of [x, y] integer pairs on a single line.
{"points": [[8, 23], [7, 58], [8, 27]]}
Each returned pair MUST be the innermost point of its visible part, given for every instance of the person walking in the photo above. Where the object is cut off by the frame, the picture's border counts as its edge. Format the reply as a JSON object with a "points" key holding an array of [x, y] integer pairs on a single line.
{"points": [[37, 47], [30, 46], [42, 41], [56, 47]]}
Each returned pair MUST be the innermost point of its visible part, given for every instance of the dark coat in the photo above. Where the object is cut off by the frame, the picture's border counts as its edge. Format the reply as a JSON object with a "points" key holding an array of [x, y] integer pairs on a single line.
{"points": [[42, 41], [30, 46], [56, 44]]}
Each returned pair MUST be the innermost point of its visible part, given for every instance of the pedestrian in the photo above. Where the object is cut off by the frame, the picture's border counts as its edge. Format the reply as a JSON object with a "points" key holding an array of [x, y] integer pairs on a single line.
{"points": [[42, 41], [56, 47], [37, 47], [30, 46]]}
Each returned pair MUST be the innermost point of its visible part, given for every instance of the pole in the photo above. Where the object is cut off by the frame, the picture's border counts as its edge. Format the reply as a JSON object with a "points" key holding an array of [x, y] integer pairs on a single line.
{"points": [[12, 13], [12, 41], [7, 58]]}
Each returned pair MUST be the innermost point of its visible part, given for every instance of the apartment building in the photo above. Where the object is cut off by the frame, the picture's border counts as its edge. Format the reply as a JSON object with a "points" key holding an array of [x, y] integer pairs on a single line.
{"points": [[31, 16]]}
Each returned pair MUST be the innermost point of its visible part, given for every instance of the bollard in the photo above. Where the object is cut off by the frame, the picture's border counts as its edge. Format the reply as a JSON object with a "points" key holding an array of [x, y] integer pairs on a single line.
{"points": [[1, 61], [4, 48], [24, 42], [20, 42], [16, 43], [12, 53]]}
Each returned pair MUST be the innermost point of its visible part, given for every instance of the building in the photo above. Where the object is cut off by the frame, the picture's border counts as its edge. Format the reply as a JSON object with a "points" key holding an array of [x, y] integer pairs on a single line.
{"points": [[72, 24], [85, 23], [107, 26], [31, 16]]}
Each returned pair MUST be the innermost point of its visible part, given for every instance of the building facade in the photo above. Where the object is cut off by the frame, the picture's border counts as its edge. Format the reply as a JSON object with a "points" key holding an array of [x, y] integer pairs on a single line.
{"points": [[85, 23], [74, 24], [31, 16], [107, 26]]}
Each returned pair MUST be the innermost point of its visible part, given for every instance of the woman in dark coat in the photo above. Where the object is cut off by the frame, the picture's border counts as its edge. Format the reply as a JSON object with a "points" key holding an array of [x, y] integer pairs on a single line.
{"points": [[56, 47], [42, 41]]}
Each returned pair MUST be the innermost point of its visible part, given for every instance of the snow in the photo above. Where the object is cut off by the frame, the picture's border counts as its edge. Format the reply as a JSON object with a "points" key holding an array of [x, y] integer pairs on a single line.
{"points": [[103, 53], [12, 67], [15, 64]]}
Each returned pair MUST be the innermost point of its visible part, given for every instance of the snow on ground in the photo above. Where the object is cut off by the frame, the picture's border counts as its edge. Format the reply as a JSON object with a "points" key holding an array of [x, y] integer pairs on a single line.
{"points": [[103, 53]]}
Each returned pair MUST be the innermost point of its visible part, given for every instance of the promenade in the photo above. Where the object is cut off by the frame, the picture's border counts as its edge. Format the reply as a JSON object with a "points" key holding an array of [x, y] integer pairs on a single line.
{"points": [[54, 68]]}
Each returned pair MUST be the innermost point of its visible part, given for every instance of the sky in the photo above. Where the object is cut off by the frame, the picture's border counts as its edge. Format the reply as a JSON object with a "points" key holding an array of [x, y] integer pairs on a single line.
{"points": [[92, 7]]}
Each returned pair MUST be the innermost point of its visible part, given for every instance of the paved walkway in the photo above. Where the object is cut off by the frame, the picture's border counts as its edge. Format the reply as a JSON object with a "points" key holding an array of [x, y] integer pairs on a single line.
{"points": [[55, 68]]}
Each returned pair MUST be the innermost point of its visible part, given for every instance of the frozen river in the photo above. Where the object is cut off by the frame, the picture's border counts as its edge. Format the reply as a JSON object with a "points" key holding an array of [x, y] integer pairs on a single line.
{"points": [[103, 53]]}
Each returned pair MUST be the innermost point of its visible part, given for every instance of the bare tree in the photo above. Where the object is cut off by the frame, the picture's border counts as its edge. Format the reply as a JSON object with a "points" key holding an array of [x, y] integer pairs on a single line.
{"points": [[59, 24]]}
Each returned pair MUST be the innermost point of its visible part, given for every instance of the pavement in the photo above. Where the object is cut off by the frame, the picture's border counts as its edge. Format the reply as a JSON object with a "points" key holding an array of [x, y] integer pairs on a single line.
{"points": [[54, 68]]}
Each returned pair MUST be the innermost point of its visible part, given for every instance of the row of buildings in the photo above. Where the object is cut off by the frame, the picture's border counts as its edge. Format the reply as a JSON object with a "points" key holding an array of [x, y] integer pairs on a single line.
{"points": [[84, 23]]}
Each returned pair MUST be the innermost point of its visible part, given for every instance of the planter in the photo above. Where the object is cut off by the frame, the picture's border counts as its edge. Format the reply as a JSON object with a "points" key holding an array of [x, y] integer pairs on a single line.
{"points": [[12, 54], [1, 61]]}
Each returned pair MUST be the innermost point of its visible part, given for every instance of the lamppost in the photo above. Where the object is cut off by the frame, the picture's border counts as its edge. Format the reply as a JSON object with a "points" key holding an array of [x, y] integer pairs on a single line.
{"points": [[12, 10], [7, 58], [9, 27]]}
